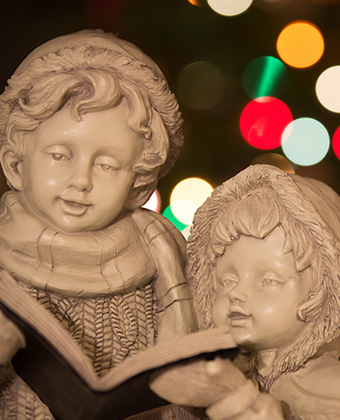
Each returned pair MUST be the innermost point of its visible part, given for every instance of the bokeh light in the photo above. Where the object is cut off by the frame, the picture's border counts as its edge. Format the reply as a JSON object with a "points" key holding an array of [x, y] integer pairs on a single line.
{"points": [[229, 7], [184, 211], [300, 44], [328, 89], [263, 120], [265, 76], [194, 2], [173, 219], [154, 203], [191, 189], [305, 141], [336, 142], [200, 85], [274, 159], [187, 196], [186, 232]]}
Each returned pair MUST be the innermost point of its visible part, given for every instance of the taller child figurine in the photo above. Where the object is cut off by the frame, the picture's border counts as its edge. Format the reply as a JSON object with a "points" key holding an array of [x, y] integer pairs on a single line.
{"points": [[88, 125]]}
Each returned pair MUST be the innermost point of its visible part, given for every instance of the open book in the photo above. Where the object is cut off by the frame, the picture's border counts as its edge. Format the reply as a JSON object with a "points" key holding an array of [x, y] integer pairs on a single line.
{"points": [[55, 367]]}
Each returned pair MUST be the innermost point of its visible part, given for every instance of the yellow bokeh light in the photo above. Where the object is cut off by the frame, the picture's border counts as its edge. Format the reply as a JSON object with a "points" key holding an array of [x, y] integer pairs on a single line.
{"points": [[187, 196], [195, 190], [184, 211], [300, 44]]}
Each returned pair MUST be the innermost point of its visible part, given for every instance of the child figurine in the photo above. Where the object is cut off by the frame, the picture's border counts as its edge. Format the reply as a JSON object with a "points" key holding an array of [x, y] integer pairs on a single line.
{"points": [[264, 258], [88, 125]]}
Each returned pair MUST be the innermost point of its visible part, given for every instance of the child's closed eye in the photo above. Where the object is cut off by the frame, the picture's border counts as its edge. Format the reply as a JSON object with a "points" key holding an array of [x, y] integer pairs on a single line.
{"points": [[58, 153], [58, 156], [107, 164], [228, 283], [271, 282]]}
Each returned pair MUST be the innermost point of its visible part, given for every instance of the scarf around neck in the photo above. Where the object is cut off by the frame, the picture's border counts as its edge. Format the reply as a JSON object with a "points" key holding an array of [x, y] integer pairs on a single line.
{"points": [[89, 264]]}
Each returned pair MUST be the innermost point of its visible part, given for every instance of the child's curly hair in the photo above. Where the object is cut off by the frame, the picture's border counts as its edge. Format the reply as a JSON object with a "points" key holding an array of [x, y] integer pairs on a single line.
{"points": [[92, 71]]}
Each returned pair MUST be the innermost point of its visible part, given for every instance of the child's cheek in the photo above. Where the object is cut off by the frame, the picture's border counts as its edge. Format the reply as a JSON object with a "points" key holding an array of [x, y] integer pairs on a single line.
{"points": [[220, 311]]}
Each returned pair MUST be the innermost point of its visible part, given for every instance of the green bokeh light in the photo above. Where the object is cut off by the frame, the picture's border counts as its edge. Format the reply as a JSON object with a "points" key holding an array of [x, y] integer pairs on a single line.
{"points": [[173, 219], [265, 76]]}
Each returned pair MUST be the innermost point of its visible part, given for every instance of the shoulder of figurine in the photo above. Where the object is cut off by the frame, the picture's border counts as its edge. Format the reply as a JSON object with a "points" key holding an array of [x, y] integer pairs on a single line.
{"points": [[155, 226], [321, 376], [312, 391]]}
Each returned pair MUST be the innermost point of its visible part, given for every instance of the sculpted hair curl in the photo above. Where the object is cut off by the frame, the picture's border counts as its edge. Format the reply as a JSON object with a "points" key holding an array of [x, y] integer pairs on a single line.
{"points": [[90, 79]]}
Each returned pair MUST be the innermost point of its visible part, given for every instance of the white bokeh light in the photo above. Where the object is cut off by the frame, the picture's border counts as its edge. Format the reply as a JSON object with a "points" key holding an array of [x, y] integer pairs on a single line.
{"points": [[328, 89], [229, 7], [154, 202], [305, 141]]}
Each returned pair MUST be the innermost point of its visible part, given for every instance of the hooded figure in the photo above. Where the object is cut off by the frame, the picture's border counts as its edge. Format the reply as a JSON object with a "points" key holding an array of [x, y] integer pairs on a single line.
{"points": [[240, 275]]}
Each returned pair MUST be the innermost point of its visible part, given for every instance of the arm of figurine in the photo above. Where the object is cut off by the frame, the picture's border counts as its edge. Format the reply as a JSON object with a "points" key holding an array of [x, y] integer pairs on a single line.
{"points": [[218, 385], [175, 310], [11, 339], [263, 407]]}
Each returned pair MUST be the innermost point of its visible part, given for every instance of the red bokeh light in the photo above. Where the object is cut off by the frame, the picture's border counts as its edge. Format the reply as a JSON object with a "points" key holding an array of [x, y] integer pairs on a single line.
{"points": [[263, 121], [336, 142]]}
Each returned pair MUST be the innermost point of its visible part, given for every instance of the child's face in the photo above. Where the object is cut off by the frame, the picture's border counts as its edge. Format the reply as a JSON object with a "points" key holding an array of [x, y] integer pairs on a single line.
{"points": [[260, 292], [77, 176]]}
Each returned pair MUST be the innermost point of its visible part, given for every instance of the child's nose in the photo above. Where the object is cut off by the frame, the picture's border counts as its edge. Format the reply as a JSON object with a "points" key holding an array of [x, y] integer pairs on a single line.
{"points": [[80, 178], [238, 292]]}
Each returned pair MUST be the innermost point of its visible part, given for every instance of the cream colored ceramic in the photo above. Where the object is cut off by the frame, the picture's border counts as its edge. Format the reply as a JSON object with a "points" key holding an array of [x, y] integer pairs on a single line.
{"points": [[264, 259], [87, 126]]}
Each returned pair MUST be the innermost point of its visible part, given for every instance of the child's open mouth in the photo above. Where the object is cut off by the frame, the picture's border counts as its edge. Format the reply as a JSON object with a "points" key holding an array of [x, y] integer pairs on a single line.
{"points": [[73, 208]]}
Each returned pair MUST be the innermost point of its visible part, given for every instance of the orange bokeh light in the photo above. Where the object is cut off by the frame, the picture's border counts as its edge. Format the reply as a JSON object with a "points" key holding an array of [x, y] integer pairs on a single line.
{"points": [[300, 44], [194, 2]]}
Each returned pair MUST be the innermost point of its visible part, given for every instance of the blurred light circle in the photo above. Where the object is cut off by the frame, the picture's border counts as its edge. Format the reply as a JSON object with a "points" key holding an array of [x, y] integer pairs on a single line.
{"points": [[200, 85], [184, 211], [265, 76], [187, 196], [328, 89], [336, 143], [186, 232], [229, 7], [194, 2], [173, 219], [305, 141], [263, 120], [154, 203], [196, 190], [274, 159], [300, 44]]}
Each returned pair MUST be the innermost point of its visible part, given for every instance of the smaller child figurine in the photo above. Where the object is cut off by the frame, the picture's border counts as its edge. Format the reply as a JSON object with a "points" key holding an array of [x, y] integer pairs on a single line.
{"points": [[87, 126], [264, 258]]}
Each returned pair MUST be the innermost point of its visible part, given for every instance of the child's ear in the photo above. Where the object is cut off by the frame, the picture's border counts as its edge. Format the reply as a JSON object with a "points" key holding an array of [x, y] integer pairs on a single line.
{"points": [[12, 167]]}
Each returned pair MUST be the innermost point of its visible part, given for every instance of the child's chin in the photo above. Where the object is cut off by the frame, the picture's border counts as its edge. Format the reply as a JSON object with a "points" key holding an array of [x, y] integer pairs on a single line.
{"points": [[243, 340]]}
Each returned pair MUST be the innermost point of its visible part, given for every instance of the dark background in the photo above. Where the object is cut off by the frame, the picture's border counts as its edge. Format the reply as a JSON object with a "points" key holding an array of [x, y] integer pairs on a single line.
{"points": [[175, 33]]}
